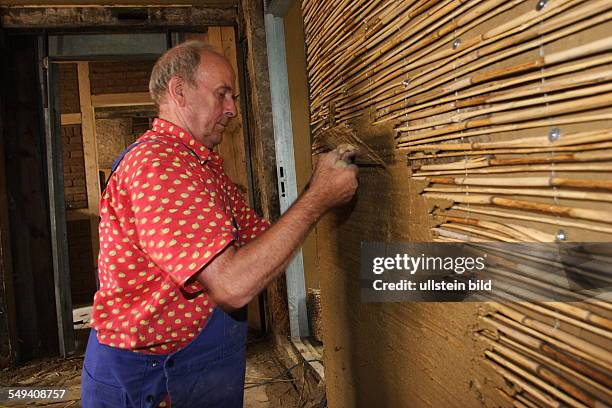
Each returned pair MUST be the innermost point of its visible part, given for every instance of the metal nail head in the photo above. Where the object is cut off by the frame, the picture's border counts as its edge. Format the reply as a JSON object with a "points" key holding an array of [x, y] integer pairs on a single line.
{"points": [[541, 4], [560, 236], [554, 134], [456, 43]]}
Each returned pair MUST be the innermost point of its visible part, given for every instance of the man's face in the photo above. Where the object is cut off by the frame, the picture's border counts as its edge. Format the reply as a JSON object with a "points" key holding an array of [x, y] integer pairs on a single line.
{"points": [[210, 103]]}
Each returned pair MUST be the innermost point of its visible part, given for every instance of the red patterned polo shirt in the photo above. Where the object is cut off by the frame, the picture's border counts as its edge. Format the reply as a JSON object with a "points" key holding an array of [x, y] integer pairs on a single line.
{"points": [[166, 212]]}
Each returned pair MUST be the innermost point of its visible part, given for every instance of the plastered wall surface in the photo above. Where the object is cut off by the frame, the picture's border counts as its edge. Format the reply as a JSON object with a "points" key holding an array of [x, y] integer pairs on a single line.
{"points": [[392, 355], [384, 69]]}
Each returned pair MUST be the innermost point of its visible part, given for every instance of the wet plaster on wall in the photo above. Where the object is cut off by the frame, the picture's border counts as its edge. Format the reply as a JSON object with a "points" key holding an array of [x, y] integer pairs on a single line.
{"points": [[393, 354]]}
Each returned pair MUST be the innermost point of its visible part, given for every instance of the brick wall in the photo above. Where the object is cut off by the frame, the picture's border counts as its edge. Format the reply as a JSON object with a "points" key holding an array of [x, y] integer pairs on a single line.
{"points": [[69, 89], [119, 77], [75, 191], [82, 276]]}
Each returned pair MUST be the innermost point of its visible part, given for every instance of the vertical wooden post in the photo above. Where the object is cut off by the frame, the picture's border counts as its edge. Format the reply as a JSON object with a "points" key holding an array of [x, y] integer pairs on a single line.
{"points": [[92, 180], [8, 326], [262, 150]]}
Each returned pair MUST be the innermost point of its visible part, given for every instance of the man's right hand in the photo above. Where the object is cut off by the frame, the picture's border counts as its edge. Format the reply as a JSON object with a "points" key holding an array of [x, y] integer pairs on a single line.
{"points": [[334, 180], [333, 183]]}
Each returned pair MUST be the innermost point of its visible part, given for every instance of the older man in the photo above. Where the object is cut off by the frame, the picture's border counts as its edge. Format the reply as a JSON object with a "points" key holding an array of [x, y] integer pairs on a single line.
{"points": [[181, 252]]}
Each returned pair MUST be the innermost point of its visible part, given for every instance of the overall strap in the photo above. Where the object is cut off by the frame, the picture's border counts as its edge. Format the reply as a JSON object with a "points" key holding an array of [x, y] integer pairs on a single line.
{"points": [[122, 156], [128, 149]]}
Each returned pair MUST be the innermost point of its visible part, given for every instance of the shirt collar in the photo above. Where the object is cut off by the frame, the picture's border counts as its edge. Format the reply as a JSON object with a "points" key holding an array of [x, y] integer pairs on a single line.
{"points": [[166, 128]]}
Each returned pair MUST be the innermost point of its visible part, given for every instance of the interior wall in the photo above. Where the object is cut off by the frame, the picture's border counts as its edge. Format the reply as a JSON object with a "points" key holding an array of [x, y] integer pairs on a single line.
{"points": [[386, 77], [108, 77]]}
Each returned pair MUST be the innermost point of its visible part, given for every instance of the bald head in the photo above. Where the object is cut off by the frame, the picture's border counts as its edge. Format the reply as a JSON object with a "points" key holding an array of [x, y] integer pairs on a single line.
{"points": [[182, 61]]}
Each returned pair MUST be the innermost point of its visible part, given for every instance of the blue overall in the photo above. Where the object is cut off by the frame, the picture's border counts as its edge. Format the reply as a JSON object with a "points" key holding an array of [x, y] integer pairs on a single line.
{"points": [[208, 372]]}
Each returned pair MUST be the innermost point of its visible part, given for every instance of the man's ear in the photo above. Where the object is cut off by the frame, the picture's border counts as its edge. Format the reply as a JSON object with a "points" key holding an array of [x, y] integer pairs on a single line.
{"points": [[176, 90]]}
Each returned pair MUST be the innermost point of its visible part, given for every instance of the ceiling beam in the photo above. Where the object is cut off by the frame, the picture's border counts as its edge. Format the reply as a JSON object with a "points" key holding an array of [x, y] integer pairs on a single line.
{"points": [[28, 17]]}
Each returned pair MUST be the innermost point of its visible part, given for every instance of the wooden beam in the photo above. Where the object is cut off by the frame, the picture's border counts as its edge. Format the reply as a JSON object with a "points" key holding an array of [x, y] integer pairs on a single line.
{"points": [[8, 314], [70, 119], [121, 99], [124, 3], [262, 150], [116, 18], [77, 215], [90, 151]]}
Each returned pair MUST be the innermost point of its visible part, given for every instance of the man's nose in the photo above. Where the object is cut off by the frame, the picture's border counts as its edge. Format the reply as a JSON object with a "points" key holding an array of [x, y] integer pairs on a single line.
{"points": [[229, 109]]}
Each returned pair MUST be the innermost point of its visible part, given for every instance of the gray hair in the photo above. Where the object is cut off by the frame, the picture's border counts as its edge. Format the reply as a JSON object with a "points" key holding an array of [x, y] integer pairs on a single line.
{"points": [[182, 61]]}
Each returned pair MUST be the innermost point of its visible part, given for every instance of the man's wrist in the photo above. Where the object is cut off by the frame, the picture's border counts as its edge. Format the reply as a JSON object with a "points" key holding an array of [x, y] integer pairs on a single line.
{"points": [[313, 203]]}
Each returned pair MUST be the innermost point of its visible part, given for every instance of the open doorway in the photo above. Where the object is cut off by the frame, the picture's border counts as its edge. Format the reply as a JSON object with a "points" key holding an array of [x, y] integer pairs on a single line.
{"points": [[102, 106], [97, 103]]}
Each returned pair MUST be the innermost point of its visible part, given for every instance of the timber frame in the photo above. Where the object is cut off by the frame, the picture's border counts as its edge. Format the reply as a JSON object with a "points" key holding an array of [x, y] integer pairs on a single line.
{"points": [[115, 18], [247, 19]]}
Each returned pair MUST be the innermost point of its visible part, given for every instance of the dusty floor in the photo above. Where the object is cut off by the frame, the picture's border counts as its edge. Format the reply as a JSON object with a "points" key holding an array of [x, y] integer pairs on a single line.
{"points": [[262, 366]]}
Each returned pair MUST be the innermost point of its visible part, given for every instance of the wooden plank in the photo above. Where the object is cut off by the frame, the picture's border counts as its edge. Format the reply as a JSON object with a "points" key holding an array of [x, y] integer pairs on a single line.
{"points": [[214, 38], [77, 215], [8, 317], [79, 16], [261, 141], [120, 99], [88, 130], [70, 119], [310, 355], [125, 3]]}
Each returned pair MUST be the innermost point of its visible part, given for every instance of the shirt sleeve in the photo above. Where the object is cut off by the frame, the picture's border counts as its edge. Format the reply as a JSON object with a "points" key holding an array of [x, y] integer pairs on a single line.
{"points": [[175, 219], [250, 225]]}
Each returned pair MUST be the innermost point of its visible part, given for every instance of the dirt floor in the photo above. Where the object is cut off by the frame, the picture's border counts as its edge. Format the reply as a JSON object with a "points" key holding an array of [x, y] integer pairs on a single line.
{"points": [[277, 391]]}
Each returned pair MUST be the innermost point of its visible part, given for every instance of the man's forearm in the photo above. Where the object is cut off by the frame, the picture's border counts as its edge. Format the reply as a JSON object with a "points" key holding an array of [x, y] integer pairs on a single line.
{"points": [[240, 276]]}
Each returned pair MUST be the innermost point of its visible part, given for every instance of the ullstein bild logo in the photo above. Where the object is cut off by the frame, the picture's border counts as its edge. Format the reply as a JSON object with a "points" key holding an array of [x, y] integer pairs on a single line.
{"points": [[412, 265]]}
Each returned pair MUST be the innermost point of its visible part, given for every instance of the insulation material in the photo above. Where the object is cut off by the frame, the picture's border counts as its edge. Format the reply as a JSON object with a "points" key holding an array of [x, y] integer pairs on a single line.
{"points": [[313, 303], [112, 137], [494, 119]]}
